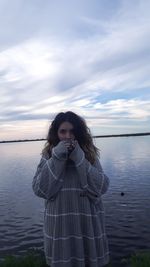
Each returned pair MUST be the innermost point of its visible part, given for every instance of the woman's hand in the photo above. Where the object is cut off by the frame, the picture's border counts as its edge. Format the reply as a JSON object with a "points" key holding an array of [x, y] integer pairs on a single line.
{"points": [[70, 144]]}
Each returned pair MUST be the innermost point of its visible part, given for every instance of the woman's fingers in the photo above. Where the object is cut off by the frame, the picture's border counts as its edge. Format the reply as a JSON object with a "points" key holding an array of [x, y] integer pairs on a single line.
{"points": [[70, 144]]}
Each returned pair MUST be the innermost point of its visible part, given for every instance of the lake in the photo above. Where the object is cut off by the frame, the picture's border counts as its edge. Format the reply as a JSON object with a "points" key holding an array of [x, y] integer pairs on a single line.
{"points": [[126, 160]]}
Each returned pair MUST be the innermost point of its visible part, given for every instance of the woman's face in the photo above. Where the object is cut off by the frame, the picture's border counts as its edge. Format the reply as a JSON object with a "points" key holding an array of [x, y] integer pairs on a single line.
{"points": [[66, 131]]}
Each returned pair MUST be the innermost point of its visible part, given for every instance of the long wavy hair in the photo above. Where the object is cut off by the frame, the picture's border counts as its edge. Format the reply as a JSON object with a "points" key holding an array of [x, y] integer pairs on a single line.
{"points": [[81, 131]]}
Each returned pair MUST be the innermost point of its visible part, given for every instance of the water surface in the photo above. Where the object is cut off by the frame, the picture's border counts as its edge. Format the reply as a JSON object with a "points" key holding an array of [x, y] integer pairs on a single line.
{"points": [[126, 160]]}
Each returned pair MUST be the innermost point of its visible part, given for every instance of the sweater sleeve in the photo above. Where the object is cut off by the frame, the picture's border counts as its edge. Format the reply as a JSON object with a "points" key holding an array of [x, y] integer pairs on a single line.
{"points": [[49, 175], [93, 180]]}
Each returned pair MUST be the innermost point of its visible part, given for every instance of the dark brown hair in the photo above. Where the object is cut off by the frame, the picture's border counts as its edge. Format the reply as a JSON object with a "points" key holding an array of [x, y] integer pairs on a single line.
{"points": [[81, 131]]}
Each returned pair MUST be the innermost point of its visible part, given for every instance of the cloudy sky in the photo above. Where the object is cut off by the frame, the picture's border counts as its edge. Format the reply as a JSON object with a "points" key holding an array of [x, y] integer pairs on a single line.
{"points": [[91, 57]]}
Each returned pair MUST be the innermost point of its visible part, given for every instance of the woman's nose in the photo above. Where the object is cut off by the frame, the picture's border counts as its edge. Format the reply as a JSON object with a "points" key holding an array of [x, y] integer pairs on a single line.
{"points": [[68, 135]]}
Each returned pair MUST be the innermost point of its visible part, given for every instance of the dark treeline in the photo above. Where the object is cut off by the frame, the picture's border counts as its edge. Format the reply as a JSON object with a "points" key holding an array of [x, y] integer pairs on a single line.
{"points": [[96, 136]]}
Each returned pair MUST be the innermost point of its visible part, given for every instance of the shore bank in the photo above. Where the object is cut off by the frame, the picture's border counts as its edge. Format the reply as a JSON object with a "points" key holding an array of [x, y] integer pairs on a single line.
{"points": [[35, 258]]}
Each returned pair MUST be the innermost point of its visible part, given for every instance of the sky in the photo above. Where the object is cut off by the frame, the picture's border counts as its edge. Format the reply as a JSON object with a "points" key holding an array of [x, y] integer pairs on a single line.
{"points": [[90, 57]]}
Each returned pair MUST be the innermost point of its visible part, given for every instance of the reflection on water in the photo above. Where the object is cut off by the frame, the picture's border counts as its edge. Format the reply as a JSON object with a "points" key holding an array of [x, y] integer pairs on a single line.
{"points": [[125, 160]]}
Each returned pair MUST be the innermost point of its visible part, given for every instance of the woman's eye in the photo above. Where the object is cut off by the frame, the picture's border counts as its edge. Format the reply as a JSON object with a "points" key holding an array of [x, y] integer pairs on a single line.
{"points": [[62, 131]]}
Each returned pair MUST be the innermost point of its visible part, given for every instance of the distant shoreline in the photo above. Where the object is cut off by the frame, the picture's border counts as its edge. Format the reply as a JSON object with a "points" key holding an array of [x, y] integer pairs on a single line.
{"points": [[95, 136]]}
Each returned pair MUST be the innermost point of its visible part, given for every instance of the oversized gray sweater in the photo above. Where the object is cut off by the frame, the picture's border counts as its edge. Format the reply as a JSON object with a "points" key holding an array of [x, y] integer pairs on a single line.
{"points": [[74, 216]]}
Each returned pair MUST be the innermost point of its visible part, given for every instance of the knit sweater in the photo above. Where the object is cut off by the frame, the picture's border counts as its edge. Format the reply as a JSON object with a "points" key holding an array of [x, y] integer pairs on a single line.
{"points": [[74, 216]]}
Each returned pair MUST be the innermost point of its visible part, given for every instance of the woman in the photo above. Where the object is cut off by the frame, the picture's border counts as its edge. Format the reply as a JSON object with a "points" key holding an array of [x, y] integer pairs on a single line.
{"points": [[70, 178]]}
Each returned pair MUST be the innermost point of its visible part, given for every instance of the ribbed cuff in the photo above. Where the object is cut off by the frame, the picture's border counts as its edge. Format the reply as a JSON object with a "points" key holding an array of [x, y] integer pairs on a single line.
{"points": [[77, 155], [60, 151]]}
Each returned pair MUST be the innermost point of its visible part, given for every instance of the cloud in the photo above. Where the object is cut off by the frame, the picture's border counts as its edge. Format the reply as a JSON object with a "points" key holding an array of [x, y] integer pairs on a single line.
{"points": [[93, 60]]}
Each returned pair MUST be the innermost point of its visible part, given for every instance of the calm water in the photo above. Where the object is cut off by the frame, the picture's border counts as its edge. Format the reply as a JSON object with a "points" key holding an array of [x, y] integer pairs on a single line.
{"points": [[126, 160]]}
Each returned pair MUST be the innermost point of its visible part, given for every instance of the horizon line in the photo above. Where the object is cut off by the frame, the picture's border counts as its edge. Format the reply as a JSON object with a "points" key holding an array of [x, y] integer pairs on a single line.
{"points": [[95, 136]]}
